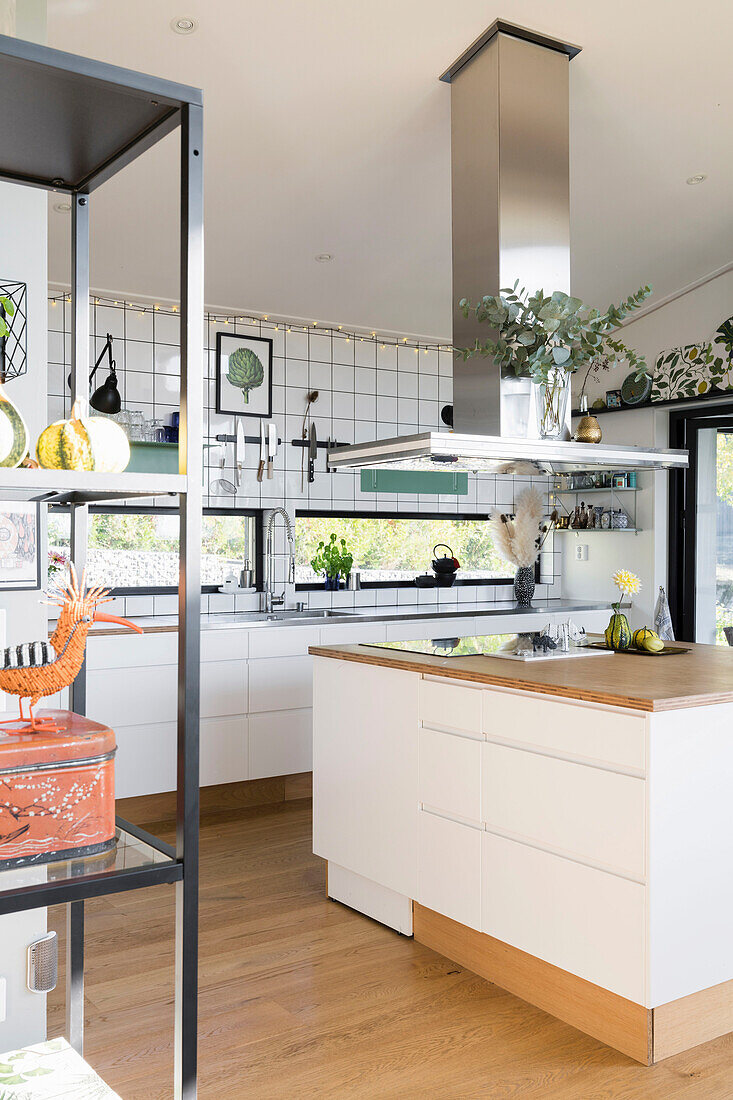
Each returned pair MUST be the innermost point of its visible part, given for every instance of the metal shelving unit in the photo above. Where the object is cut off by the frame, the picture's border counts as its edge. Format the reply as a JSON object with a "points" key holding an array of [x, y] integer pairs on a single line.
{"points": [[74, 124]]}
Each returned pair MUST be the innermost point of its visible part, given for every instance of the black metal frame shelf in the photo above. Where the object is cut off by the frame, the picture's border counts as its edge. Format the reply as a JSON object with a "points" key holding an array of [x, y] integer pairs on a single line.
{"points": [[75, 123]]}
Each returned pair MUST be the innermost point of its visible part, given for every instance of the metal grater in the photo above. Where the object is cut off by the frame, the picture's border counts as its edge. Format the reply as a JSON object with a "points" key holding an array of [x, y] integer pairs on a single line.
{"points": [[43, 964]]}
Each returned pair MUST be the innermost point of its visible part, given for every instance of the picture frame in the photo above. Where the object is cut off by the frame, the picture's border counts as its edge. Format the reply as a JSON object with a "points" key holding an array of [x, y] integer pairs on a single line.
{"points": [[613, 399], [20, 545], [244, 387]]}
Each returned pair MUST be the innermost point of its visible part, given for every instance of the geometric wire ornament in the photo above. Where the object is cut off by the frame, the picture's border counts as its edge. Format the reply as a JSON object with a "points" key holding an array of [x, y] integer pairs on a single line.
{"points": [[13, 359]]}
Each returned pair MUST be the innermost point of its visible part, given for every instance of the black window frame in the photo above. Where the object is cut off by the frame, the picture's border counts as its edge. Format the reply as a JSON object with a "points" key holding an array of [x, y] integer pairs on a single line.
{"points": [[142, 510], [326, 513], [684, 425]]}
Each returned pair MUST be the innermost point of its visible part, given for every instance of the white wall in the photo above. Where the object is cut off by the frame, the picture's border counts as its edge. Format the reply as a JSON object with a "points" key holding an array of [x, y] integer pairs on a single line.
{"points": [[693, 317], [24, 258]]}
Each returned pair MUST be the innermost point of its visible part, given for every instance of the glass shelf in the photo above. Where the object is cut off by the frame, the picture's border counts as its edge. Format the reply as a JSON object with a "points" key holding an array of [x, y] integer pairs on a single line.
{"points": [[85, 486], [596, 530], [137, 860], [597, 489]]}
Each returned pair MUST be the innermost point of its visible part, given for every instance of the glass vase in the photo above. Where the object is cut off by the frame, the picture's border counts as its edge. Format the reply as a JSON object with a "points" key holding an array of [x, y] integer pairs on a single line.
{"points": [[333, 584], [551, 402]]}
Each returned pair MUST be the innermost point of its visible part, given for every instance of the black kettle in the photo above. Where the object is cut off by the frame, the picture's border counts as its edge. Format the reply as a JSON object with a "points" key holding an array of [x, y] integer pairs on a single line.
{"points": [[444, 567]]}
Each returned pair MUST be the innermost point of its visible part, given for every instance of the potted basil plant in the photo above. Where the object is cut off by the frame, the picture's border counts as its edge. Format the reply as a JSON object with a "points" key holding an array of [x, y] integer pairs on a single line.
{"points": [[334, 559], [549, 338]]}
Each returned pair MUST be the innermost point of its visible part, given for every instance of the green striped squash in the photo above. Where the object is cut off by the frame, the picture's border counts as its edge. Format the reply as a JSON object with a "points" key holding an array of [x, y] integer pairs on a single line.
{"points": [[13, 433], [618, 632]]}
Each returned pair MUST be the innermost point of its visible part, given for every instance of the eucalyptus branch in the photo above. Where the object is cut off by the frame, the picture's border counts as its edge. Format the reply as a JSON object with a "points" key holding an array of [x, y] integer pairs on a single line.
{"points": [[539, 335]]}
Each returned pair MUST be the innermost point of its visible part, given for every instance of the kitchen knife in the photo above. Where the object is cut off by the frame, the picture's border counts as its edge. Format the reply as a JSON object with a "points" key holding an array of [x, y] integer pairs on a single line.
{"points": [[263, 452], [271, 446], [312, 453], [239, 453]]}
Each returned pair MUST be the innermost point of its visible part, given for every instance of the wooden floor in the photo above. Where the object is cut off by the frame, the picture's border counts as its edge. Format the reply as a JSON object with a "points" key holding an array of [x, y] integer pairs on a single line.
{"points": [[301, 997]]}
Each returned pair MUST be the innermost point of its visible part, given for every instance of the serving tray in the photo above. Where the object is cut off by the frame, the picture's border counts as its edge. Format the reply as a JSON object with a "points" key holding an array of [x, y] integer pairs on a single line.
{"points": [[666, 652]]}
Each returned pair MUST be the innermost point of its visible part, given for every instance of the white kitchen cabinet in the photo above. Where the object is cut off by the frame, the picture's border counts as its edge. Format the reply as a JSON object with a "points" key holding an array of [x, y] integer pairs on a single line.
{"points": [[280, 684], [280, 743], [573, 916], [449, 874], [365, 765], [574, 809]]}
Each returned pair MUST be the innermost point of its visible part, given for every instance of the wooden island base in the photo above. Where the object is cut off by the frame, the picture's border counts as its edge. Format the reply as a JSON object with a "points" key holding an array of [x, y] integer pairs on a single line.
{"points": [[646, 1035]]}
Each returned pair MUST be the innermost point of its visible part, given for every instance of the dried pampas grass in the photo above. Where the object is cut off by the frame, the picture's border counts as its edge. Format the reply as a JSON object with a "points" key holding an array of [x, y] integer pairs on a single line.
{"points": [[518, 539]]}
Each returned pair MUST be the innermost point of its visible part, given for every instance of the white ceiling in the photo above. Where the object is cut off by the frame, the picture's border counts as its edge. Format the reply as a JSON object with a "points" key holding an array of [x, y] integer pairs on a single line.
{"points": [[327, 131]]}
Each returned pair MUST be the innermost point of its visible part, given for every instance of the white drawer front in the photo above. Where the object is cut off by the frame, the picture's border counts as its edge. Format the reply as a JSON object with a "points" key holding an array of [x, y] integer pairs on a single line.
{"points": [[282, 641], [146, 759], [450, 773], [414, 630], [130, 650], [224, 750], [449, 872], [451, 705], [224, 644], [574, 808], [352, 634], [139, 696], [223, 688], [282, 683], [580, 919], [280, 744], [607, 736]]}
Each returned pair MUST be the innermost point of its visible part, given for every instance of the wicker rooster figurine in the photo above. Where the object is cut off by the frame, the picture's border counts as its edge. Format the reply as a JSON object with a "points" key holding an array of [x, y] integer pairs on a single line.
{"points": [[36, 669]]}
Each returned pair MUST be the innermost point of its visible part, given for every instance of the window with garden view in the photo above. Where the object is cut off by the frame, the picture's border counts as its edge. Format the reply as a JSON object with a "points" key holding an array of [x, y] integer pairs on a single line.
{"points": [[139, 550], [389, 549]]}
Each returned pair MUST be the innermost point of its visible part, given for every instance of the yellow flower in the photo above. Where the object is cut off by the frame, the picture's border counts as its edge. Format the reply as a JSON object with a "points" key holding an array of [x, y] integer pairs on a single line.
{"points": [[626, 582]]}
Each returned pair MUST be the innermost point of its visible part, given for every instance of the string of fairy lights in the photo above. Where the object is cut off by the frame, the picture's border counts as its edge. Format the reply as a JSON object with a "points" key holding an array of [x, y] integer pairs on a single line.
{"points": [[273, 324]]}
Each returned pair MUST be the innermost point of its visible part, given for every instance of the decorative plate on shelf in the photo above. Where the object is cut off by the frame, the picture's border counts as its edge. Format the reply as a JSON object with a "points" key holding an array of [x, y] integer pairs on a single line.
{"points": [[635, 392]]}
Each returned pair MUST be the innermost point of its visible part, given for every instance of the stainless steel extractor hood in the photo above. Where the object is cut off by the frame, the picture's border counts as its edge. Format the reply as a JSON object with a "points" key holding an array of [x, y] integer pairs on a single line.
{"points": [[511, 220]]}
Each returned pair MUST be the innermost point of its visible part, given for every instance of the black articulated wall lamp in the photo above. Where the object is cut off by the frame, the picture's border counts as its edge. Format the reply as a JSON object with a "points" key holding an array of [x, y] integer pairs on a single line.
{"points": [[106, 398]]}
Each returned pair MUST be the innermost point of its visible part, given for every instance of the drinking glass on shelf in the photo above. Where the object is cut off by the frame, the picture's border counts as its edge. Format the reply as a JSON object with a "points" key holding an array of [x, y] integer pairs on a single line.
{"points": [[157, 429], [137, 425]]}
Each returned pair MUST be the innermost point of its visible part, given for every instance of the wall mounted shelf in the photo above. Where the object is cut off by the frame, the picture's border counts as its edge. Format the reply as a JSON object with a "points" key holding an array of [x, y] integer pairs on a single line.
{"points": [[597, 530]]}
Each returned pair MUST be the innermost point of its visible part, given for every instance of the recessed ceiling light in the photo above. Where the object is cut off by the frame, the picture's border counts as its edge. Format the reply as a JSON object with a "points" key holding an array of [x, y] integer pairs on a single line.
{"points": [[62, 207], [184, 25], [324, 257], [700, 177]]}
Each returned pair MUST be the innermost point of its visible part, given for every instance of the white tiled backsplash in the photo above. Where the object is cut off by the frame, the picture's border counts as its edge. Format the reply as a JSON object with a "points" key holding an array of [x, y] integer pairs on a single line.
{"points": [[366, 391]]}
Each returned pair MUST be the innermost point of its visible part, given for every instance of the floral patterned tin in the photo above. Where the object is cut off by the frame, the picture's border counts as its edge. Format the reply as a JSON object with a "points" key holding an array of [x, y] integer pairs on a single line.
{"points": [[57, 791]]}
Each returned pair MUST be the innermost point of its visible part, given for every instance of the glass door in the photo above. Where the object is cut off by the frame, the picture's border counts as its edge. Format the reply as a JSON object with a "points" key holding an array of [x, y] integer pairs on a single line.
{"points": [[701, 529]]}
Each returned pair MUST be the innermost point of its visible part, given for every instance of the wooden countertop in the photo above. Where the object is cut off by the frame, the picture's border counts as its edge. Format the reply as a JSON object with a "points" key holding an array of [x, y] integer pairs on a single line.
{"points": [[699, 678]]}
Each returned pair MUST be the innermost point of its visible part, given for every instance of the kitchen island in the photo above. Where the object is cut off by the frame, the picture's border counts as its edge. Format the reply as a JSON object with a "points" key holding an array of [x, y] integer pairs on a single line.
{"points": [[562, 828]]}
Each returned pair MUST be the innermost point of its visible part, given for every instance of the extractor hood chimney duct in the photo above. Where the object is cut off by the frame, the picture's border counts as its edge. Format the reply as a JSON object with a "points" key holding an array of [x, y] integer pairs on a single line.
{"points": [[510, 138]]}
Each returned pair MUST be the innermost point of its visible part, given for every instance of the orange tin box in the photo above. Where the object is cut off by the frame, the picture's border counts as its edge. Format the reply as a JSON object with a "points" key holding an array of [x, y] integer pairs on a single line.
{"points": [[57, 791]]}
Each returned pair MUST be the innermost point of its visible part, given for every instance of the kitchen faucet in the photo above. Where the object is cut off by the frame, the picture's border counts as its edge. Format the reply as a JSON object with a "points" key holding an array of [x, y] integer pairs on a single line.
{"points": [[271, 601]]}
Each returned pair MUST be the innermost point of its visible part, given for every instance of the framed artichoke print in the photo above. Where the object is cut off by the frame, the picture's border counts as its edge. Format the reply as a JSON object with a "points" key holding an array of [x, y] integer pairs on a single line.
{"points": [[243, 375]]}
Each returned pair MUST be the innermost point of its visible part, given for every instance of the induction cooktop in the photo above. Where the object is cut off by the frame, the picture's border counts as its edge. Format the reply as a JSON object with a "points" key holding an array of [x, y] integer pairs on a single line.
{"points": [[486, 645]]}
